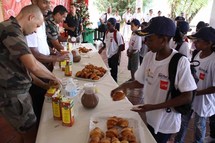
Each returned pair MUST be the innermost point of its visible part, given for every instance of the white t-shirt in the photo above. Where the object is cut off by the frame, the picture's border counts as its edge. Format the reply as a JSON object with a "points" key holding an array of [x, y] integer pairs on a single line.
{"points": [[135, 42], [118, 18], [184, 49], [108, 15], [127, 17], [138, 16], [38, 40], [148, 17], [153, 75], [111, 45], [204, 105]]}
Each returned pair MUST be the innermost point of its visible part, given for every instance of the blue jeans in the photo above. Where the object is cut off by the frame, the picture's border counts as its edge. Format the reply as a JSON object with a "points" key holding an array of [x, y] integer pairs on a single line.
{"points": [[199, 128], [212, 126]]}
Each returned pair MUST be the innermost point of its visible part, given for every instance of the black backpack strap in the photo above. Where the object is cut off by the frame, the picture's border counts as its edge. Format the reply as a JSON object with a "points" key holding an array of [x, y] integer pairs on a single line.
{"points": [[172, 69], [106, 18], [178, 46], [194, 53]]}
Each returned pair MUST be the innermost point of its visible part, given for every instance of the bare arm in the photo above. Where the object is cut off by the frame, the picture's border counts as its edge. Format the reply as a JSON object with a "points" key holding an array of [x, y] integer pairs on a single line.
{"points": [[36, 68], [208, 90], [185, 97], [127, 85], [47, 58], [57, 45], [39, 82], [62, 39]]}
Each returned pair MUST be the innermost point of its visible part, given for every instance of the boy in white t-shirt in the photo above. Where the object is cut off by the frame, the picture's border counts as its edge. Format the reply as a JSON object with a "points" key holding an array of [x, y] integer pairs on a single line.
{"points": [[135, 44], [114, 47], [204, 102], [153, 76]]}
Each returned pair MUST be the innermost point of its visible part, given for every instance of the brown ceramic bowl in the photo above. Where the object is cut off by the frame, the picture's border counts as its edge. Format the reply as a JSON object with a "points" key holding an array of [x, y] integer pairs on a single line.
{"points": [[76, 59]]}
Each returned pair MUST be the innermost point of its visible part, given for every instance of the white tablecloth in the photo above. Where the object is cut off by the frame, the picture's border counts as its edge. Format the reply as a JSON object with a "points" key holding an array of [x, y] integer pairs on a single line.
{"points": [[52, 131]]}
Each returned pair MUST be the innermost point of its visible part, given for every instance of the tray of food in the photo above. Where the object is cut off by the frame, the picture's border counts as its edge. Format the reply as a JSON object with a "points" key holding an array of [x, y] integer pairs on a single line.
{"points": [[118, 127], [91, 73], [84, 50]]}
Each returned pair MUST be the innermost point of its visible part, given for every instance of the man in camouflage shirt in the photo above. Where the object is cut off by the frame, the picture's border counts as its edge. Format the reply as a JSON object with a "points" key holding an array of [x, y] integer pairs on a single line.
{"points": [[16, 65], [52, 30]]}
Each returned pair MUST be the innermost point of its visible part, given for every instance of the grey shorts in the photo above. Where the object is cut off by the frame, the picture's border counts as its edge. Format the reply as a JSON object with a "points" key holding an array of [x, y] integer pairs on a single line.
{"points": [[133, 62], [16, 107]]}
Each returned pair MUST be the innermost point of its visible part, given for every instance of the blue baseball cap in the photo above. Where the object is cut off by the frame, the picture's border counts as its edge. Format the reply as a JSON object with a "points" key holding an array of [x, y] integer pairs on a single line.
{"points": [[160, 26], [112, 21], [136, 22], [183, 26], [205, 33]]}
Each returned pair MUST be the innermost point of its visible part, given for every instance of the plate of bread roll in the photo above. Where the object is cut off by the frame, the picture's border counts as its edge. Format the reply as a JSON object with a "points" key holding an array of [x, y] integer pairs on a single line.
{"points": [[91, 73], [111, 128]]}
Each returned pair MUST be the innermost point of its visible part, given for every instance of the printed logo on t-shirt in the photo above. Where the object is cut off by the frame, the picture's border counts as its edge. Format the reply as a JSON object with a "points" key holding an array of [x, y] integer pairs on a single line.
{"points": [[163, 85], [149, 73], [111, 40], [202, 76]]}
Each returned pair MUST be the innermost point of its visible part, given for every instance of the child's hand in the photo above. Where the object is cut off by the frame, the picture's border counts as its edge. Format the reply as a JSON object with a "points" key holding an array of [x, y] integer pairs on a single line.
{"points": [[143, 108]]}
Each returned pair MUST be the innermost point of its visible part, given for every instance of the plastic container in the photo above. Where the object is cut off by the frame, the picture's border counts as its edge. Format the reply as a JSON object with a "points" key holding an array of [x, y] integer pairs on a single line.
{"points": [[67, 109]]}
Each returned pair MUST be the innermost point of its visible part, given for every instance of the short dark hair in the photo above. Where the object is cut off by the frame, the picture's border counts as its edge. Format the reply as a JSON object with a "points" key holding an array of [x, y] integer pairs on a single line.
{"points": [[60, 9]]}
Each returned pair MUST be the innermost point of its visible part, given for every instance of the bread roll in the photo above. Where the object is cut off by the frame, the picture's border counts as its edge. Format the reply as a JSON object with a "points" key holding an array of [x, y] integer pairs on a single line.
{"points": [[119, 95]]}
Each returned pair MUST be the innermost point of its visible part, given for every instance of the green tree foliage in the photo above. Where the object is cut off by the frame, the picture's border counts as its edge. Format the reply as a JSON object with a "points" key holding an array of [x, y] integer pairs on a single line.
{"points": [[119, 5], [189, 7]]}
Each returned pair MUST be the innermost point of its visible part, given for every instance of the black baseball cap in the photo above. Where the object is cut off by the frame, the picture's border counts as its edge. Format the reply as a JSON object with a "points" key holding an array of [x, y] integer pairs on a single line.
{"points": [[179, 18], [183, 26], [136, 22], [205, 33], [201, 24], [112, 21], [160, 26]]}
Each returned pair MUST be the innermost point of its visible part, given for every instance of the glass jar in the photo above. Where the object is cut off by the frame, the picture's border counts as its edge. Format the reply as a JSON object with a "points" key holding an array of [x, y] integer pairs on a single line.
{"points": [[89, 99]]}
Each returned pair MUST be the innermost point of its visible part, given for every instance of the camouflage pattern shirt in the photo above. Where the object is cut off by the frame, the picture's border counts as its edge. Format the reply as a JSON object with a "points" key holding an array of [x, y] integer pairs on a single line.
{"points": [[13, 45], [52, 29]]}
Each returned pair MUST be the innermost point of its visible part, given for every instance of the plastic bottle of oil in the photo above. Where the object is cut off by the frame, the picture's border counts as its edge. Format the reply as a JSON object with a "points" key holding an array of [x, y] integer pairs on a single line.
{"points": [[68, 68], [69, 48]]}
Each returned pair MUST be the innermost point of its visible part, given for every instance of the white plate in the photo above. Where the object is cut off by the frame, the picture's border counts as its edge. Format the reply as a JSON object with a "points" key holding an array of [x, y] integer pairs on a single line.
{"points": [[100, 120]]}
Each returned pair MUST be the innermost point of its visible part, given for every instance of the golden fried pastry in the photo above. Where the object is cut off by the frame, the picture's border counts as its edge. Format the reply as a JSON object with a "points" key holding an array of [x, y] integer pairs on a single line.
{"points": [[112, 121], [84, 50], [119, 95], [91, 72], [96, 78], [123, 123], [105, 140], [113, 132], [97, 132], [124, 141], [78, 74], [131, 138], [94, 140], [115, 140], [93, 76], [126, 131]]}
